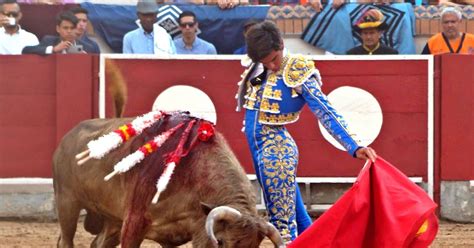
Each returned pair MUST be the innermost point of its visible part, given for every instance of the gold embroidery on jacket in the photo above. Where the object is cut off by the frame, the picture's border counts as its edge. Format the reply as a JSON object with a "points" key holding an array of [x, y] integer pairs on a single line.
{"points": [[280, 119], [297, 71]]}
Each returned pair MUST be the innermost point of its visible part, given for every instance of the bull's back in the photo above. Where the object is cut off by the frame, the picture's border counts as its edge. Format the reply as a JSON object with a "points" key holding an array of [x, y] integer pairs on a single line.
{"points": [[85, 183], [75, 141]]}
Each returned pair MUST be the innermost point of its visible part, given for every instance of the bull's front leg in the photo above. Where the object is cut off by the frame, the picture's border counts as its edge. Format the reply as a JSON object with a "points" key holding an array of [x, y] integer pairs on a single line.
{"points": [[109, 235], [168, 246], [134, 229], [201, 240], [68, 214], [134, 244]]}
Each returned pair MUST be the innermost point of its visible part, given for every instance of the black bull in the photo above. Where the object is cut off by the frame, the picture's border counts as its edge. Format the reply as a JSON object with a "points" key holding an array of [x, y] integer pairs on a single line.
{"points": [[120, 210]]}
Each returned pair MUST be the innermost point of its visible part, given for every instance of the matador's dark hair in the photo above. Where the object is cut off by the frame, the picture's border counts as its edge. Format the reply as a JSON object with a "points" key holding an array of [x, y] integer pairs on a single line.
{"points": [[263, 38]]}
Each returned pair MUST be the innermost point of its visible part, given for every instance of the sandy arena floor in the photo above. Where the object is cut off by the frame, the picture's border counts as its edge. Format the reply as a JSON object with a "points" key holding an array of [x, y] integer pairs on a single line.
{"points": [[38, 234]]}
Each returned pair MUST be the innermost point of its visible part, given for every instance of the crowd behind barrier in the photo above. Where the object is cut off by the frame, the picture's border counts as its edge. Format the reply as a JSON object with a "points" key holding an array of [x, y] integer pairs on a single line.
{"points": [[275, 2], [330, 30], [254, 2], [221, 28]]}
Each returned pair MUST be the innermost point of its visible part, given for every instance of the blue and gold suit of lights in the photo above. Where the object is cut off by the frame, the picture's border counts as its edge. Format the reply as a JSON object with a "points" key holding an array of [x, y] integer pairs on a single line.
{"points": [[277, 101]]}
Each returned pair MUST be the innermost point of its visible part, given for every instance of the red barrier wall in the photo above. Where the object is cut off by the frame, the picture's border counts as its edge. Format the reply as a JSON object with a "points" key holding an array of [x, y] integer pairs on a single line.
{"points": [[457, 122], [41, 98], [399, 86]]}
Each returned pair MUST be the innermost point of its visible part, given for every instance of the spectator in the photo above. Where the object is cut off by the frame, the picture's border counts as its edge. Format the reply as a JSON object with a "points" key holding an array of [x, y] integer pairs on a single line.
{"points": [[227, 4], [371, 27], [336, 4], [450, 40], [65, 42], [315, 4], [189, 43], [455, 2], [46, 1], [12, 37], [90, 46], [318, 6], [149, 37], [247, 26]]}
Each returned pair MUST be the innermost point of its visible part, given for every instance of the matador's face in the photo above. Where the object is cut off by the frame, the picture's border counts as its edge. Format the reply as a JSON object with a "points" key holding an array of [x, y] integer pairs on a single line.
{"points": [[273, 60]]}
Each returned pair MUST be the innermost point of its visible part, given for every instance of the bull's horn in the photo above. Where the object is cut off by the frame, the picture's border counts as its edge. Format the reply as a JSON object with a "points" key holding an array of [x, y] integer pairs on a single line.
{"points": [[274, 235], [220, 213]]}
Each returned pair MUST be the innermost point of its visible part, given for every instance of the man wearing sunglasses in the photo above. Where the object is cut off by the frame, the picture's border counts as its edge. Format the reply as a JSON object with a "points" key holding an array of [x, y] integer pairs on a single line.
{"points": [[149, 37], [189, 43], [12, 37]]}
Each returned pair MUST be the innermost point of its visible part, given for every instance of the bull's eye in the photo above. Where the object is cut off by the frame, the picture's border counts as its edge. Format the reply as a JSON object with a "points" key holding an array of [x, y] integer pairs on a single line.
{"points": [[220, 243]]}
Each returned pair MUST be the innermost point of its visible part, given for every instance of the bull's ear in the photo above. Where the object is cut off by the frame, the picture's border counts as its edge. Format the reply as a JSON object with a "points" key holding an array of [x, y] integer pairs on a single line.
{"points": [[206, 207]]}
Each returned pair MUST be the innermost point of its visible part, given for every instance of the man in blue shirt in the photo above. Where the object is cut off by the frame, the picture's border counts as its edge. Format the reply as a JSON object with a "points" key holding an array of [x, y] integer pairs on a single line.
{"points": [[189, 43], [149, 37]]}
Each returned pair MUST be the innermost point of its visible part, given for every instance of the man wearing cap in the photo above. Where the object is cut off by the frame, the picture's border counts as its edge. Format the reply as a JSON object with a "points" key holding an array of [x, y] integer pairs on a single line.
{"points": [[370, 27], [149, 37], [451, 40]]}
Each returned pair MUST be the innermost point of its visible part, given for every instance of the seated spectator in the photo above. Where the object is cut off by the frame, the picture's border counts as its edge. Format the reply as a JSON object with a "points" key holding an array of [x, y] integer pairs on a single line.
{"points": [[65, 42], [247, 26], [227, 4], [149, 37], [12, 37], [455, 2], [450, 40], [90, 46], [189, 43], [335, 4], [371, 27], [47, 1]]}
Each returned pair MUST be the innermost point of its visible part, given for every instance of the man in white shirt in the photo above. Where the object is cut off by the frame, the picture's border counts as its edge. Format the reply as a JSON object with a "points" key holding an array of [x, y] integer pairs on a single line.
{"points": [[12, 37], [149, 37]]}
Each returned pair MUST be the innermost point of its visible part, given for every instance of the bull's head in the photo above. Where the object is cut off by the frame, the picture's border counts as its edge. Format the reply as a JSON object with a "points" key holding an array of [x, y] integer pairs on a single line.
{"points": [[227, 227]]}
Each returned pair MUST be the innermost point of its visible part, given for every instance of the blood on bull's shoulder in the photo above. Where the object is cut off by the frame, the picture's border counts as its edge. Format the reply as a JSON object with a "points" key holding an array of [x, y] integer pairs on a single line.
{"points": [[207, 200]]}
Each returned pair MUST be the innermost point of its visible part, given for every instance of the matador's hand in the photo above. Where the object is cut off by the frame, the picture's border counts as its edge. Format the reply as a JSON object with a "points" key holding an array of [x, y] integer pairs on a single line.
{"points": [[366, 153]]}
